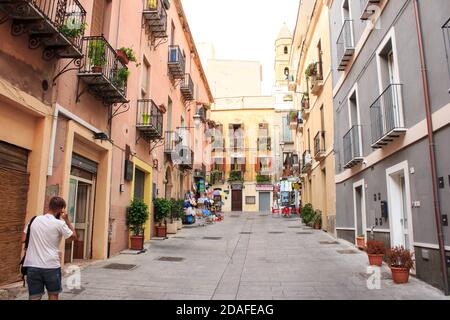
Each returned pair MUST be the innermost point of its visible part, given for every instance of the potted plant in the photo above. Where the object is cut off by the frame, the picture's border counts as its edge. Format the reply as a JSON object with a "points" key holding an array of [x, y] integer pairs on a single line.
{"points": [[317, 221], [307, 213], [172, 225], [162, 210], [121, 77], [125, 55], [361, 241], [310, 70], [401, 262], [145, 119], [179, 205], [375, 251], [72, 28], [97, 55], [137, 215]]}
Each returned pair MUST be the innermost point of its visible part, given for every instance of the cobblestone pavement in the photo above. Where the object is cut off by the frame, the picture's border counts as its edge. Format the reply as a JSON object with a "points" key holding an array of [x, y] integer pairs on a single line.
{"points": [[246, 256]]}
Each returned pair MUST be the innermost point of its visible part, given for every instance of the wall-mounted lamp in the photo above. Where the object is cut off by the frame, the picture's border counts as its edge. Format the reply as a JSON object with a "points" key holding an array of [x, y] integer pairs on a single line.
{"points": [[101, 136]]}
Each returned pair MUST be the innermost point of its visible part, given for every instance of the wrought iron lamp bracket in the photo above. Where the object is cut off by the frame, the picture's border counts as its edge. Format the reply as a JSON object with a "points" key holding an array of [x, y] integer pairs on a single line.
{"points": [[78, 64]]}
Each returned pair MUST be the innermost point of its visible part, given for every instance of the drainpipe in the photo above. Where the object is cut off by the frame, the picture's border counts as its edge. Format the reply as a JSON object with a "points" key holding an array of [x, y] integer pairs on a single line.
{"points": [[432, 151]]}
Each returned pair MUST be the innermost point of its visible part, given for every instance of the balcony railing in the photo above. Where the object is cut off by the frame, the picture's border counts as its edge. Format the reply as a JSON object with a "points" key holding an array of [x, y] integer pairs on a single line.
{"points": [[352, 147], [184, 158], [55, 25], [149, 120], [306, 161], [155, 16], [369, 8], [187, 87], [177, 62], [105, 76], [345, 45], [262, 177], [293, 119], [172, 139], [217, 177], [264, 144], [236, 175], [319, 146], [305, 106], [386, 116], [317, 78], [200, 170]]}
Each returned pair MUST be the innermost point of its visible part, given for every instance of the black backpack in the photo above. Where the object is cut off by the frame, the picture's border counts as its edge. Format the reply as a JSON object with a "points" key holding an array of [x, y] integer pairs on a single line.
{"points": [[23, 269]]}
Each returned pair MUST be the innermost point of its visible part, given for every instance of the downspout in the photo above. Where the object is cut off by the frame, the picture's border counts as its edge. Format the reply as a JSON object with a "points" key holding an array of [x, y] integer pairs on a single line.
{"points": [[432, 151]]}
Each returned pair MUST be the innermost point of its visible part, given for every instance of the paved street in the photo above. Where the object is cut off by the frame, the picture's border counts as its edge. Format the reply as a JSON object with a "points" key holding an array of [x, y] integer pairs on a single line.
{"points": [[256, 257]]}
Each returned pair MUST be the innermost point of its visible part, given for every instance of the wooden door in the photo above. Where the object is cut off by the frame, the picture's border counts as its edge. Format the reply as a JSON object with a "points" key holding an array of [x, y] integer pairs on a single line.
{"points": [[236, 200]]}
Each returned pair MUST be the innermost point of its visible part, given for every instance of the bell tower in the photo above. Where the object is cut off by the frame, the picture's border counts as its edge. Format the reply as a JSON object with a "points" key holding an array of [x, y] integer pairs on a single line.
{"points": [[283, 45]]}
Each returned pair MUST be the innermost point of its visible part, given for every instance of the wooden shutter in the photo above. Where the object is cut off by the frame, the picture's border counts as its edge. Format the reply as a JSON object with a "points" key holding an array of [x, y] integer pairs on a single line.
{"points": [[257, 165], [98, 12]]}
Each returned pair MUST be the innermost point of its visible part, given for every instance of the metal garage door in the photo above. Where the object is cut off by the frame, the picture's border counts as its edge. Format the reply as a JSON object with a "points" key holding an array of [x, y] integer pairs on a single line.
{"points": [[13, 198], [264, 201]]}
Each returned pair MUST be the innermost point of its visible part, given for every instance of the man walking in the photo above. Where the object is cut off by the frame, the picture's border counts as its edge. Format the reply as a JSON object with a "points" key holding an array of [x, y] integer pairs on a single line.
{"points": [[42, 258]]}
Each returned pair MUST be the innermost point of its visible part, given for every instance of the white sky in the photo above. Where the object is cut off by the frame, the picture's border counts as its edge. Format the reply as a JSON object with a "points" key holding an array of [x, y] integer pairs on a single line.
{"points": [[242, 29]]}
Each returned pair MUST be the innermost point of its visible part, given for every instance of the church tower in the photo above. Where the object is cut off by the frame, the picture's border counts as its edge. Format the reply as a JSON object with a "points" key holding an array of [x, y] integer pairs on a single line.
{"points": [[283, 46]]}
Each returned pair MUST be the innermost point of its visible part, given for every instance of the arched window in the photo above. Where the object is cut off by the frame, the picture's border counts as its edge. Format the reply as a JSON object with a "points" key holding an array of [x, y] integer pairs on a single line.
{"points": [[286, 50], [286, 73]]}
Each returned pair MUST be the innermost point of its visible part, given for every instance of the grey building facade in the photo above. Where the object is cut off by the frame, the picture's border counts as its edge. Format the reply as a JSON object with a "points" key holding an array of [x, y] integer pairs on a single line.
{"points": [[384, 181]]}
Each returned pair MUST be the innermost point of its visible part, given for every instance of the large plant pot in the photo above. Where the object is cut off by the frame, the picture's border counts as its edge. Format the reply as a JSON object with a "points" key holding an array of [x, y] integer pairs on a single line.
{"points": [[375, 259], [400, 275], [317, 226], [122, 56], [179, 224], [172, 227], [161, 231], [136, 242]]}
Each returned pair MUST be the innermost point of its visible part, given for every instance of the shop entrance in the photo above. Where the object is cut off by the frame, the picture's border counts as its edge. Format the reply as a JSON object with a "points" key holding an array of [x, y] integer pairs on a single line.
{"points": [[264, 201], [80, 208]]}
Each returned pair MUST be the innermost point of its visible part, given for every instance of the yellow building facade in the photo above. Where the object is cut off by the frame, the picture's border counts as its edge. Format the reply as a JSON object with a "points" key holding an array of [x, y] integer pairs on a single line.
{"points": [[242, 160], [311, 56]]}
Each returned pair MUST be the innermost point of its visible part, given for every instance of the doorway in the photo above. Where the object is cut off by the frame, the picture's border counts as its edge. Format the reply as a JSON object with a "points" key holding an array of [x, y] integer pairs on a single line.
{"points": [[359, 203], [399, 211], [236, 200], [80, 209], [264, 201]]}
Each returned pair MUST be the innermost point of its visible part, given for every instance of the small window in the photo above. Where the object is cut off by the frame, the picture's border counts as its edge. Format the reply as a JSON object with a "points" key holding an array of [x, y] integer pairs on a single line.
{"points": [[286, 50], [250, 200]]}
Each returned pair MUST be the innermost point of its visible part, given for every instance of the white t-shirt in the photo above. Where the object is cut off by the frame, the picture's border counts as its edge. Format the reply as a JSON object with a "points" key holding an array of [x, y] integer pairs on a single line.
{"points": [[45, 238]]}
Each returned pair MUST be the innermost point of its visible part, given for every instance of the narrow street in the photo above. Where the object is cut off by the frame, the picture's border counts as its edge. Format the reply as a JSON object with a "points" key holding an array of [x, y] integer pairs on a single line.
{"points": [[246, 256]]}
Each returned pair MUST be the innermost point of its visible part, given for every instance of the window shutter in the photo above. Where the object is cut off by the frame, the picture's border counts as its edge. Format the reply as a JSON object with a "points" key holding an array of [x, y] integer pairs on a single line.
{"points": [[97, 17], [257, 165]]}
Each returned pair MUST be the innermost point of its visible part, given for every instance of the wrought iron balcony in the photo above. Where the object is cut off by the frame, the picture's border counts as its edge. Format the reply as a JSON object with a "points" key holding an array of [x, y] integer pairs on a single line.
{"points": [[352, 147], [55, 25], [149, 120], [317, 78], [218, 145], [200, 171], [386, 116], [104, 75], [172, 139], [369, 8], [155, 17], [345, 45], [319, 146], [263, 177], [306, 161], [177, 62], [217, 177], [187, 87], [184, 158], [236, 175]]}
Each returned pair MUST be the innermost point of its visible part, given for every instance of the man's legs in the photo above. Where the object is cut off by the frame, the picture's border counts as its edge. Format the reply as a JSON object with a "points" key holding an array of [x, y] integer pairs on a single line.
{"points": [[35, 283], [52, 280]]}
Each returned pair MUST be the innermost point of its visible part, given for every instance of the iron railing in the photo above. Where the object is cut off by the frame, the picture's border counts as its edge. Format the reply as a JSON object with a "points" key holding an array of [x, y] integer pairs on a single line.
{"points": [[177, 62], [172, 139], [217, 176], [317, 76], [305, 101], [385, 112], [352, 146], [345, 44], [306, 160], [319, 144], [149, 117], [264, 144], [65, 18], [155, 15], [187, 87], [103, 72]]}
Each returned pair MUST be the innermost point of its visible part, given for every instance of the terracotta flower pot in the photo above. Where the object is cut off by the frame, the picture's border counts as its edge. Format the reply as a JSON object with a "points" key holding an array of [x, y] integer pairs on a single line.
{"points": [[317, 226], [360, 242], [122, 56], [375, 259], [96, 69], [400, 275], [136, 242], [161, 231]]}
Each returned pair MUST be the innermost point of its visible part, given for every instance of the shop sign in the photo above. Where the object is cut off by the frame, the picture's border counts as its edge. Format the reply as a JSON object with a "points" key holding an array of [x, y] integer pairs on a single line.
{"points": [[296, 186], [264, 187]]}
